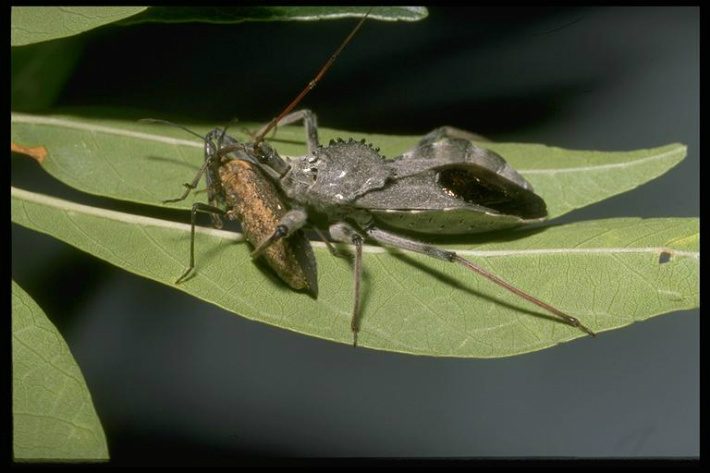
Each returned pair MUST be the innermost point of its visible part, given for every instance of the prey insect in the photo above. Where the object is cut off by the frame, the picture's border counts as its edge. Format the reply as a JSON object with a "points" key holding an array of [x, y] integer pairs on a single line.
{"points": [[238, 190], [445, 185]]}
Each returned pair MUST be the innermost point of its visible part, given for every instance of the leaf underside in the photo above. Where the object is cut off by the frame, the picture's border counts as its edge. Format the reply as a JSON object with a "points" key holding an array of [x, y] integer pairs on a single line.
{"points": [[36, 24], [273, 13], [607, 273], [144, 163], [53, 415]]}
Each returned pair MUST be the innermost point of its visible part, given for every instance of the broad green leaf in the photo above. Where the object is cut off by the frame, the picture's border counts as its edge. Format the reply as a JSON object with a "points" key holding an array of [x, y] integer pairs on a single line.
{"points": [[148, 163], [608, 273], [34, 24], [53, 416], [273, 13]]}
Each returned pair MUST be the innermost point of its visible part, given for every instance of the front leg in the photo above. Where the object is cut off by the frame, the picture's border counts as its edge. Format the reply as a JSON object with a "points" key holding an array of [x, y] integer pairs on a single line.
{"points": [[310, 123], [333, 250], [293, 220], [210, 169], [189, 186]]}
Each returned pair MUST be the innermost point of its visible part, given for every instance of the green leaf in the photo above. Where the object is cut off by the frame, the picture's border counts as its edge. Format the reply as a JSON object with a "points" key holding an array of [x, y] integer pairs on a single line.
{"points": [[148, 163], [53, 416], [34, 24], [608, 273], [569, 179], [272, 13]]}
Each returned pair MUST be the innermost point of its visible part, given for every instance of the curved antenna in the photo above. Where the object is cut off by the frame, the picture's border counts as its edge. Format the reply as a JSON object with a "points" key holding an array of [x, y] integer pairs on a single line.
{"points": [[165, 122], [312, 83]]}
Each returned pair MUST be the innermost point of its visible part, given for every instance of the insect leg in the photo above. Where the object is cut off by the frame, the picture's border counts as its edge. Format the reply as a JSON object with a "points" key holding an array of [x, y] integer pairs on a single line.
{"points": [[190, 185], [210, 169], [310, 123], [450, 132], [197, 207], [396, 241], [332, 249], [347, 234], [293, 220]]}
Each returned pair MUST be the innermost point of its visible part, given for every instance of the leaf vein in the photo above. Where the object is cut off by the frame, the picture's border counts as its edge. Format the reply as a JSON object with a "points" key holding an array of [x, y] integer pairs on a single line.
{"points": [[603, 167]]}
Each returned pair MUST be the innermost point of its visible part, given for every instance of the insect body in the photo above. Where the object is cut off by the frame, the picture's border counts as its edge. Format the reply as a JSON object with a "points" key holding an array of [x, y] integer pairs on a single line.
{"points": [[257, 204], [444, 185], [238, 190]]}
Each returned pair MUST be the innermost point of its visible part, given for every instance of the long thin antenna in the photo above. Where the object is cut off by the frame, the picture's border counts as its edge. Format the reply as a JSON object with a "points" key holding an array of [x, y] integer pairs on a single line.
{"points": [[165, 122], [312, 83]]}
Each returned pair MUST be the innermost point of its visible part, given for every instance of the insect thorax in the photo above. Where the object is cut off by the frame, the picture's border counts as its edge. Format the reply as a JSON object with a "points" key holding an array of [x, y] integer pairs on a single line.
{"points": [[331, 179]]}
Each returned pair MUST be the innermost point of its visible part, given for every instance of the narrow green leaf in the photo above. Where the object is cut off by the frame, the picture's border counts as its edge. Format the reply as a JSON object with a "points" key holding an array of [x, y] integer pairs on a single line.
{"points": [[608, 273], [34, 24], [569, 179], [148, 163], [53, 416], [272, 13]]}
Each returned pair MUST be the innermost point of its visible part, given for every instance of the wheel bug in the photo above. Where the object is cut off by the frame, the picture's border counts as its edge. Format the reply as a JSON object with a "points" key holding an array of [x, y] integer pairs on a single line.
{"points": [[444, 185]]}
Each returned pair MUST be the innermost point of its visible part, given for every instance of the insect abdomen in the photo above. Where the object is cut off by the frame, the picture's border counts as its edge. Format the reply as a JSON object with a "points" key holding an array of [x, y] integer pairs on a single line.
{"points": [[259, 207]]}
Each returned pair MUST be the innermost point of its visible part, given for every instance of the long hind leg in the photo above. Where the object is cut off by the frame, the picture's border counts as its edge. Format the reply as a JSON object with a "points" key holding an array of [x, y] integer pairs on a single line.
{"points": [[389, 239]]}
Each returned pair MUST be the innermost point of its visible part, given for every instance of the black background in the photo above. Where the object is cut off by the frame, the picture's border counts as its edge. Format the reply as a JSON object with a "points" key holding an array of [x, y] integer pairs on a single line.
{"points": [[178, 381]]}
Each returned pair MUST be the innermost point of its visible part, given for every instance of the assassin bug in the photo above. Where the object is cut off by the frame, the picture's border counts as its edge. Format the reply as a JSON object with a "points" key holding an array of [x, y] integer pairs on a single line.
{"points": [[238, 190], [444, 185]]}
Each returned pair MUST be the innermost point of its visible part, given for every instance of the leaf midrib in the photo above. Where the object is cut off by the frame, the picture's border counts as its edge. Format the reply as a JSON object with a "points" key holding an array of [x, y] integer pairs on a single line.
{"points": [[234, 236], [602, 167], [41, 120], [60, 122]]}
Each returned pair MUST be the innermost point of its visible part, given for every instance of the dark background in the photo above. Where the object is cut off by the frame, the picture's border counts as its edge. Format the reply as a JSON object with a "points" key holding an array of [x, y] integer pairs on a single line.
{"points": [[178, 381]]}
